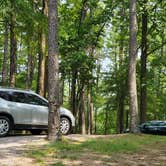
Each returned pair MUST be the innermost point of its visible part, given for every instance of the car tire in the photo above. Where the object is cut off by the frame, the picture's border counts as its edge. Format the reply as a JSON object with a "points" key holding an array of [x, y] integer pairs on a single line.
{"points": [[4, 126], [65, 126], [36, 132]]}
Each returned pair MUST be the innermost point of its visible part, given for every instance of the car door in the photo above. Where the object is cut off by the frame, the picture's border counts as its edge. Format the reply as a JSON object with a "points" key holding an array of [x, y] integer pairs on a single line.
{"points": [[19, 108], [39, 109]]}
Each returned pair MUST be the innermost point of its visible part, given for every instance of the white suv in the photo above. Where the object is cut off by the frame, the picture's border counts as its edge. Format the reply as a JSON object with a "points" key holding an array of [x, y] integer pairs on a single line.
{"points": [[26, 110]]}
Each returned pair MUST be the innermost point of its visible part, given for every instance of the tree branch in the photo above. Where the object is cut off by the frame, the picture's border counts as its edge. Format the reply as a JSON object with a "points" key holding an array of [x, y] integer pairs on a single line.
{"points": [[156, 48]]}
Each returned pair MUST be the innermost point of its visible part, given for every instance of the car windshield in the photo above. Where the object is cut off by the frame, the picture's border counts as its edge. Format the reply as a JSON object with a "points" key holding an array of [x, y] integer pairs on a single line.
{"points": [[155, 123]]}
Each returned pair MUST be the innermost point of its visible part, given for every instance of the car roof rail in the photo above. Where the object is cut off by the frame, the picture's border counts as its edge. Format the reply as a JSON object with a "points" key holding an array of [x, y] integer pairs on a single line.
{"points": [[15, 88]]}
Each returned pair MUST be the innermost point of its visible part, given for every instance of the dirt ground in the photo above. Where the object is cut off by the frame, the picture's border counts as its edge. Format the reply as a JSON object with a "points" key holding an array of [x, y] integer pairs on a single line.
{"points": [[13, 148]]}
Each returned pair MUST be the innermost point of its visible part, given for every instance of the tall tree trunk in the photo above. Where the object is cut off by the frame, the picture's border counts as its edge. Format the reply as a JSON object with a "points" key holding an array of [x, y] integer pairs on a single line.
{"points": [[46, 78], [143, 66], [83, 125], [13, 49], [159, 71], [5, 54], [120, 114], [127, 119], [106, 121], [132, 68], [95, 119], [42, 55], [89, 114], [30, 68], [73, 92], [121, 91], [53, 73], [62, 84]]}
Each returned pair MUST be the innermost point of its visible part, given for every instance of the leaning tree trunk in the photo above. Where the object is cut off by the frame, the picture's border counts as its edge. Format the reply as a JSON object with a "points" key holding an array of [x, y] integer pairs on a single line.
{"points": [[5, 54], [132, 68], [143, 67], [53, 72], [13, 49]]}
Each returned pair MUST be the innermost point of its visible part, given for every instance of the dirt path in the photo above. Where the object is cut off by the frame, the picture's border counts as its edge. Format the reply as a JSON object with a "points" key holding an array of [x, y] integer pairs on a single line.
{"points": [[12, 149]]}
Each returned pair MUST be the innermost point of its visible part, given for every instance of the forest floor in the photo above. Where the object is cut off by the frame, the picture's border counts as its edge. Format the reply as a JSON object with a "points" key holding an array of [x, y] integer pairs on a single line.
{"points": [[85, 150]]}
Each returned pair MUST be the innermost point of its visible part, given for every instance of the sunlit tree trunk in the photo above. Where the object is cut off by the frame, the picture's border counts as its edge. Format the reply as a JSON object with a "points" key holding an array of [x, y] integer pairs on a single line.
{"points": [[53, 72], [42, 54], [5, 54], [132, 68]]}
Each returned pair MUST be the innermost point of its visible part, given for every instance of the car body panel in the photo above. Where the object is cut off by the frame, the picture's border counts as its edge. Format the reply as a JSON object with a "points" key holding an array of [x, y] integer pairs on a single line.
{"points": [[29, 114], [154, 127]]}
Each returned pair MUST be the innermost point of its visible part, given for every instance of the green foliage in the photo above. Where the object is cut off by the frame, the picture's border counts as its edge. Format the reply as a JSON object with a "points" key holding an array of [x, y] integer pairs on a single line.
{"points": [[92, 33]]}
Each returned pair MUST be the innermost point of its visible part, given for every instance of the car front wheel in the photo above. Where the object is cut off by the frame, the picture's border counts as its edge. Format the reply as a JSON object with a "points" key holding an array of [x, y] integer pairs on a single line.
{"points": [[4, 126], [65, 125]]}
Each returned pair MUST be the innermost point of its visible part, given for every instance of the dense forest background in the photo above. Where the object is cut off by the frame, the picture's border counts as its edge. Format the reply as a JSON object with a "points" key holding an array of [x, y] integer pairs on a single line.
{"points": [[93, 38]]}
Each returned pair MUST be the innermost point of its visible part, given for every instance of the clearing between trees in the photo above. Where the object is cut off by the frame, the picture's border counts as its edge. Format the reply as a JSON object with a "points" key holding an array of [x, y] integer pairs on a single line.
{"points": [[114, 150]]}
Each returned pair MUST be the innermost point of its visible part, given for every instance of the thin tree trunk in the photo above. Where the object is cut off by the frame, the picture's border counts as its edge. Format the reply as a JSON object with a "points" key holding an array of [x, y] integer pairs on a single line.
{"points": [[121, 91], [73, 92], [143, 67], [13, 49], [46, 78], [132, 68], [29, 69], [62, 84], [120, 115], [127, 119], [53, 72], [89, 114], [106, 121], [42, 55], [95, 118], [5, 54], [83, 125]]}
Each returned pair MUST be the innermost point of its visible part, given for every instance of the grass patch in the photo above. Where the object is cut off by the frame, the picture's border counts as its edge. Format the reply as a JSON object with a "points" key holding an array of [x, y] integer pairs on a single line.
{"points": [[103, 146]]}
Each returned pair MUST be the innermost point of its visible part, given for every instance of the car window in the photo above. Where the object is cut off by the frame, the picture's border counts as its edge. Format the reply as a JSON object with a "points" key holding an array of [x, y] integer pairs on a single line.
{"points": [[18, 97], [162, 124], [35, 100], [155, 123], [5, 95]]}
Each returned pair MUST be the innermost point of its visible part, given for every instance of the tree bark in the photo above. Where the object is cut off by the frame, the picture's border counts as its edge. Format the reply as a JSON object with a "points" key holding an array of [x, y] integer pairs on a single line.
{"points": [[132, 68], [106, 121], [121, 90], [83, 125], [143, 67], [73, 92], [13, 49], [120, 114], [30, 68], [53, 72], [42, 54], [5, 54], [89, 114]]}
